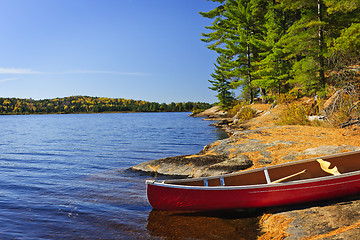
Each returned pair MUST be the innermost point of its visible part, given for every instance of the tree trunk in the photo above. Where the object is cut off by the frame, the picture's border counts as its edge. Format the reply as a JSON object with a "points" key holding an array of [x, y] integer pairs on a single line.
{"points": [[321, 45], [249, 73]]}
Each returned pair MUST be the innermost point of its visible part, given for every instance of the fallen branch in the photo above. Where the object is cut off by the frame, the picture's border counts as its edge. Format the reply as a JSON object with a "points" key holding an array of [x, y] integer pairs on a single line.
{"points": [[353, 106], [349, 123]]}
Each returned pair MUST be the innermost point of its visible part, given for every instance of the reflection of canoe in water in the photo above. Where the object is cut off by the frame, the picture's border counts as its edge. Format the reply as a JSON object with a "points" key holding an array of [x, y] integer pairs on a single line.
{"points": [[290, 183], [203, 225]]}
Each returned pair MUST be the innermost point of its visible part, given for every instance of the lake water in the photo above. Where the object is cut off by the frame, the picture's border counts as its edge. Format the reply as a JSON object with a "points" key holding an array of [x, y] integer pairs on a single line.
{"points": [[67, 177]]}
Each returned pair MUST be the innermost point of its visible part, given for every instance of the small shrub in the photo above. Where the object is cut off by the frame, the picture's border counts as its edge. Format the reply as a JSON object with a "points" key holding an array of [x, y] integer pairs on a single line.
{"points": [[285, 98], [246, 113], [294, 114], [289, 96], [234, 110], [242, 111], [340, 116]]}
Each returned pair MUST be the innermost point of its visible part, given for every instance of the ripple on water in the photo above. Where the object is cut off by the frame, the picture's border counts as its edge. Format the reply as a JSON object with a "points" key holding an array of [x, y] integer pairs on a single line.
{"points": [[65, 177]]}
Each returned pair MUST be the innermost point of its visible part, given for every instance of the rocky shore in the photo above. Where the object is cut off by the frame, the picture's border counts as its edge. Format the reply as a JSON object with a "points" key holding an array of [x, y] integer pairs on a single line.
{"points": [[259, 142]]}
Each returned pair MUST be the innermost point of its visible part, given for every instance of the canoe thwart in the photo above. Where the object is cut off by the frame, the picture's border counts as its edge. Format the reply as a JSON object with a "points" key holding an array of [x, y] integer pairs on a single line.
{"points": [[266, 172], [325, 167]]}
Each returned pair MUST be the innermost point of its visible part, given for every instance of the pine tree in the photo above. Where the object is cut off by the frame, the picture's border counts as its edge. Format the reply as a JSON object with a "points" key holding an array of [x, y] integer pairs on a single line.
{"points": [[237, 34], [344, 53], [274, 69], [304, 44], [221, 83], [245, 41], [308, 39], [216, 36], [276, 45]]}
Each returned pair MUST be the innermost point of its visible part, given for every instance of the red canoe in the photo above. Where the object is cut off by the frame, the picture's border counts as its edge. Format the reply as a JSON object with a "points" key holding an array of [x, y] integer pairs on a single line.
{"points": [[290, 183]]}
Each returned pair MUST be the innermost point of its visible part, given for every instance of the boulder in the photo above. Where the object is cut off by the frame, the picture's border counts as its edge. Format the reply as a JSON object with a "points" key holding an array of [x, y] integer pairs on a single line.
{"points": [[231, 165], [185, 165], [214, 112]]}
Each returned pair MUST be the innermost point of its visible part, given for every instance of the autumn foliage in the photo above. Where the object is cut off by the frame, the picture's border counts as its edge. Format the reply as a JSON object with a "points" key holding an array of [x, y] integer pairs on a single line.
{"points": [[86, 104]]}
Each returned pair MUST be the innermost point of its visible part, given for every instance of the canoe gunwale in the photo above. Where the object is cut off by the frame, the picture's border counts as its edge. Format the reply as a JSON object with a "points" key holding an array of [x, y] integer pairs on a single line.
{"points": [[168, 183], [247, 187]]}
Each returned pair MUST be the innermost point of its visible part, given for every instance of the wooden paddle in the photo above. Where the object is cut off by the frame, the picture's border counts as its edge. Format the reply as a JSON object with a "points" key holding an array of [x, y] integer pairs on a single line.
{"points": [[290, 176], [325, 166]]}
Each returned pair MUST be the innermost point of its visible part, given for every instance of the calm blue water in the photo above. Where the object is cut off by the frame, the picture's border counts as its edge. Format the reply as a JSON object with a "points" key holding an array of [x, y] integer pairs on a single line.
{"points": [[65, 176]]}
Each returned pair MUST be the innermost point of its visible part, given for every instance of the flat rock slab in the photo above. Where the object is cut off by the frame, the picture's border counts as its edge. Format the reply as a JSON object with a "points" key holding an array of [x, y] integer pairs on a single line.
{"points": [[194, 165], [229, 155], [185, 165], [323, 151], [214, 112], [259, 143], [330, 220], [328, 150]]}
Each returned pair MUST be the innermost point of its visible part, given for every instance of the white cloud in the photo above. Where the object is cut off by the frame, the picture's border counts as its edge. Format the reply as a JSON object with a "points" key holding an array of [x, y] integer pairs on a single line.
{"points": [[17, 71], [107, 72], [7, 80], [78, 71]]}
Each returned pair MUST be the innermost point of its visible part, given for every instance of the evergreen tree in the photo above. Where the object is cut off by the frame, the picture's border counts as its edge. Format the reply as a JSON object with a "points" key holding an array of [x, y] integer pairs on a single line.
{"points": [[274, 69], [215, 37], [344, 54], [236, 33], [221, 83], [246, 41], [276, 45], [304, 45]]}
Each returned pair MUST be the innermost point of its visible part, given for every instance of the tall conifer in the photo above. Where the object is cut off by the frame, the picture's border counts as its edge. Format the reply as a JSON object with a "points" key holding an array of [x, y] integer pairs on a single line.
{"points": [[244, 41], [275, 45], [304, 43], [274, 69], [222, 83]]}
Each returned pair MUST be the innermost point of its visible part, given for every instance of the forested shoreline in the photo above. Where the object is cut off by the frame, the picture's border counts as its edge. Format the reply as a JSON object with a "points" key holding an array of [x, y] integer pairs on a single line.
{"points": [[273, 47], [86, 104]]}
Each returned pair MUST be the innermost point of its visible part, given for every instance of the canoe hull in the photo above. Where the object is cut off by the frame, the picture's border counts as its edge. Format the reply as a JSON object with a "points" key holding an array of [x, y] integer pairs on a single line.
{"points": [[173, 197]]}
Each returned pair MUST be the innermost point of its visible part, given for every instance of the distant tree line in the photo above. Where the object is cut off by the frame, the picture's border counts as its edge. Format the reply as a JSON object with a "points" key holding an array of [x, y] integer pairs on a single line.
{"points": [[270, 47], [86, 104]]}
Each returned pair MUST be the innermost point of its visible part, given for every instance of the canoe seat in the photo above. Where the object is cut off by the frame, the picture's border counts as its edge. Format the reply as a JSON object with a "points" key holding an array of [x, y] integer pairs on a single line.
{"points": [[325, 167], [222, 181], [206, 182]]}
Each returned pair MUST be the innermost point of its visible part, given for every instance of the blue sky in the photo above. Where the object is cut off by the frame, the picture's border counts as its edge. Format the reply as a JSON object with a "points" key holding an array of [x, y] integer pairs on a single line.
{"points": [[136, 49]]}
